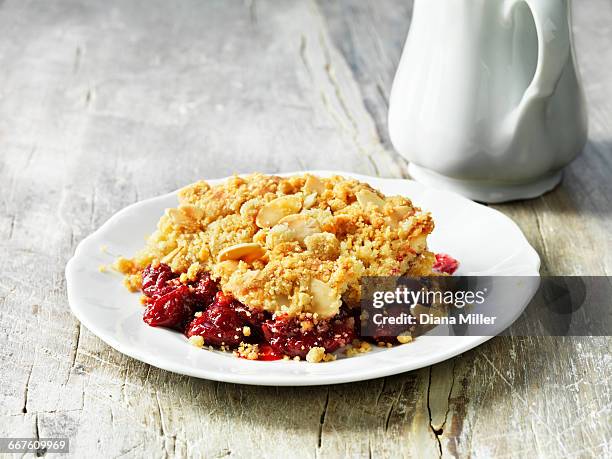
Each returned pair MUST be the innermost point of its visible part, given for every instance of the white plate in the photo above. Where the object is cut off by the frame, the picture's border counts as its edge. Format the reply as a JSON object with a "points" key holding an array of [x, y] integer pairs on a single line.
{"points": [[484, 240]]}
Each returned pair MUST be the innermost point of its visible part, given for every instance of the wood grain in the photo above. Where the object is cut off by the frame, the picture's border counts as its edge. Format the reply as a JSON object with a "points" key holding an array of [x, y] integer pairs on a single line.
{"points": [[106, 103]]}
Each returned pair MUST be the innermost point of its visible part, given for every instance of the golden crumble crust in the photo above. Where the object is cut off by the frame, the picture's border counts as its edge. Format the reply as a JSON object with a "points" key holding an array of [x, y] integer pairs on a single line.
{"points": [[288, 244]]}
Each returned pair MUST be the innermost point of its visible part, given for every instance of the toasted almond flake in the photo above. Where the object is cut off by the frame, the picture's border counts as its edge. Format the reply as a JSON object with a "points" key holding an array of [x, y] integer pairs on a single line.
{"points": [[402, 211], [367, 198], [399, 213], [187, 216], [301, 225], [248, 251], [310, 200], [170, 256], [313, 184], [419, 243], [270, 214], [278, 234], [325, 301]]}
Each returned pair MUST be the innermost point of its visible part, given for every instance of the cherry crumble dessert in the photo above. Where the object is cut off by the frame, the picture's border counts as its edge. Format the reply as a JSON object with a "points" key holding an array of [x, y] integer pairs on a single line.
{"points": [[270, 267]]}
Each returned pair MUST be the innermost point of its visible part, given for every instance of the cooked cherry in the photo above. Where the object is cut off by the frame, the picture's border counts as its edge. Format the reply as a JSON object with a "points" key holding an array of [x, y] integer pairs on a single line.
{"points": [[445, 263], [252, 317], [219, 324], [388, 332], [171, 310], [204, 290], [155, 280], [287, 336], [266, 352], [222, 321]]}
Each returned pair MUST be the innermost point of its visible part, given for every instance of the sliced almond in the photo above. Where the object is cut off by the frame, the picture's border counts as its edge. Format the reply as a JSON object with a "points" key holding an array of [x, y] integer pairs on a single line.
{"points": [[186, 216], [419, 243], [402, 211], [270, 214], [367, 198], [301, 225], [310, 200], [170, 256], [313, 185], [325, 301], [399, 213], [248, 251]]}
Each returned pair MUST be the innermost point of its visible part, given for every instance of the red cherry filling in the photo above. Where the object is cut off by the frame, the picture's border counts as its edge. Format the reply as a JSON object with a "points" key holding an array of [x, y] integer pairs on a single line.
{"points": [[219, 325], [267, 353], [445, 263], [155, 280], [172, 304], [387, 333], [289, 336], [171, 309], [205, 289]]}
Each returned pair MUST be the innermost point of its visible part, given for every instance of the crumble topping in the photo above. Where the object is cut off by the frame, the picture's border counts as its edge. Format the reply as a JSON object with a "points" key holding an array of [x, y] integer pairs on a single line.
{"points": [[318, 354], [248, 351], [357, 347], [287, 245], [404, 338], [197, 341]]}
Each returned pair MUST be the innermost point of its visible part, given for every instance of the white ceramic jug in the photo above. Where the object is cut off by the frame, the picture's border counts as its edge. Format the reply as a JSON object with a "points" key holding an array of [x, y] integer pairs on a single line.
{"points": [[486, 100]]}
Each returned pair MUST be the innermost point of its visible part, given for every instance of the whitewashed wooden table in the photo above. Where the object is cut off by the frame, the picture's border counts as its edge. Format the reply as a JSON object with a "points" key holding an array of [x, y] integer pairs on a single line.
{"points": [[106, 103]]}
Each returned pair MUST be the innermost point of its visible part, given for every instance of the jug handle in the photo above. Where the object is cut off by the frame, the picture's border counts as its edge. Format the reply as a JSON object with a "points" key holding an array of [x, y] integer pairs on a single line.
{"points": [[552, 27]]}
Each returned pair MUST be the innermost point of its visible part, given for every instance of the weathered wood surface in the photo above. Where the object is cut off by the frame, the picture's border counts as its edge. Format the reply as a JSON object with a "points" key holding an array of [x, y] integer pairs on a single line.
{"points": [[106, 103]]}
